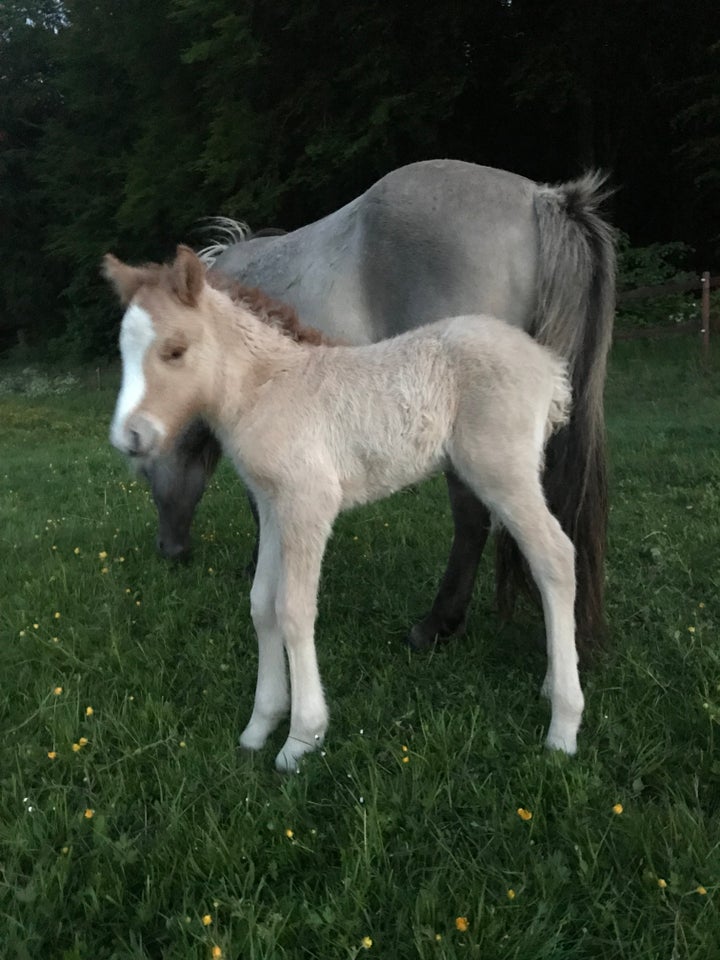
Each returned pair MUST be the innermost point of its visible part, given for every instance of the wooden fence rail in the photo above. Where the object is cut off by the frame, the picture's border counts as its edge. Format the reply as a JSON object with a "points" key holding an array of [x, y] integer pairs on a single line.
{"points": [[704, 284], [663, 289]]}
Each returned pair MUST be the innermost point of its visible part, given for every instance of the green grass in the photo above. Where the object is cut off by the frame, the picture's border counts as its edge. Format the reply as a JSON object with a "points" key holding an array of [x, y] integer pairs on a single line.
{"points": [[185, 825]]}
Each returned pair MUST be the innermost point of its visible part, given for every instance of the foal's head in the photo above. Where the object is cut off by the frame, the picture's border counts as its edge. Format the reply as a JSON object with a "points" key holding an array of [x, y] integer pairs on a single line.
{"points": [[162, 338]]}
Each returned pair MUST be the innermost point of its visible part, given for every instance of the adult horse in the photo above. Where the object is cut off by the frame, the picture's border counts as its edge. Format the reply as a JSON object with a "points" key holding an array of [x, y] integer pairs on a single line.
{"points": [[435, 239]]}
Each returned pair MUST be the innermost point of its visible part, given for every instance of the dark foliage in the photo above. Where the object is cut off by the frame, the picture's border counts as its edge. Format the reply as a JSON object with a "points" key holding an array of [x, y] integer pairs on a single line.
{"points": [[122, 124]]}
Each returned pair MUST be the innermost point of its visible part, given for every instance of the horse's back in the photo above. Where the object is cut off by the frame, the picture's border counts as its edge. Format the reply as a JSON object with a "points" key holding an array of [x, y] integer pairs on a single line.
{"points": [[429, 240], [444, 238]]}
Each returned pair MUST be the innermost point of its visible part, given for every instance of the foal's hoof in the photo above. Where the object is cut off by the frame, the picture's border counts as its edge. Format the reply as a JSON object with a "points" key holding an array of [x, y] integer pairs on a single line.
{"points": [[288, 760], [565, 742], [259, 729]]}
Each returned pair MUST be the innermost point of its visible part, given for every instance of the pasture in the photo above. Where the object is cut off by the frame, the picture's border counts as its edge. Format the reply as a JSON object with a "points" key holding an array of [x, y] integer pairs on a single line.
{"points": [[433, 824]]}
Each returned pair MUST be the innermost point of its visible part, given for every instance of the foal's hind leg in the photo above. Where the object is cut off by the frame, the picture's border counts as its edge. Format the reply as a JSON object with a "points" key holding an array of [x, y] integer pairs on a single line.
{"points": [[551, 557], [518, 502], [472, 526]]}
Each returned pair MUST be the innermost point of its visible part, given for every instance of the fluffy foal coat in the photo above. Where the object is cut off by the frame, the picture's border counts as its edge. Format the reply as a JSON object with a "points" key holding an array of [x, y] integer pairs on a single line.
{"points": [[314, 430]]}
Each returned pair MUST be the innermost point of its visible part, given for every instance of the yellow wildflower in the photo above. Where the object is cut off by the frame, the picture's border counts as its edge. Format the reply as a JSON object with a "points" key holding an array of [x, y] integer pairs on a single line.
{"points": [[216, 952], [56, 615], [52, 755], [524, 814], [461, 924], [289, 834], [701, 890], [35, 626], [89, 711], [366, 943], [102, 555], [438, 936], [104, 570], [618, 809], [406, 759], [511, 894], [57, 691], [207, 920], [76, 551], [76, 747], [691, 629], [662, 883], [404, 748], [83, 741], [89, 813]]}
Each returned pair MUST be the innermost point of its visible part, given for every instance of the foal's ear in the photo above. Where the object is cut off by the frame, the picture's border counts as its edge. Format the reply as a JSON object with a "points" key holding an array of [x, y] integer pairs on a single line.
{"points": [[188, 276], [127, 280]]}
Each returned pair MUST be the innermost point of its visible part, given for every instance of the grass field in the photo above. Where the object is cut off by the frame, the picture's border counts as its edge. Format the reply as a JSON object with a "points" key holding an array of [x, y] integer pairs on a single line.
{"points": [[132, 827]]}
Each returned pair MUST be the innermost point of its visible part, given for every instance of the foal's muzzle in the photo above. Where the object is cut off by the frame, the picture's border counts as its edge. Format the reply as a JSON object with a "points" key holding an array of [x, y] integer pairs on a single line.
{"points": [[139, 436]]}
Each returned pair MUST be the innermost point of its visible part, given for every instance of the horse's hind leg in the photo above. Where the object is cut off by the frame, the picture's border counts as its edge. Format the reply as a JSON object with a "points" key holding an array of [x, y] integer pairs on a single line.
{"points": [[251, 566], [472, 526]]}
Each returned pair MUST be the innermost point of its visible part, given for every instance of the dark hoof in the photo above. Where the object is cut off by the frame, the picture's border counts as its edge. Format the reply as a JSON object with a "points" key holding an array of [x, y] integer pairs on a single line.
{"points": [[425, 636]]}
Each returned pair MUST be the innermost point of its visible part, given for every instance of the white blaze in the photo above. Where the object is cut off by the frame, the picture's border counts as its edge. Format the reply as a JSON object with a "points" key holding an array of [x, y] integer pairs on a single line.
{"points": [[136, 335]]}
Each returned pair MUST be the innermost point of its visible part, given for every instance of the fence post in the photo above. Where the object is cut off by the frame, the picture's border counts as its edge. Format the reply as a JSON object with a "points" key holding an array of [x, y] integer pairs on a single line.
{"points": [[706, 312]]}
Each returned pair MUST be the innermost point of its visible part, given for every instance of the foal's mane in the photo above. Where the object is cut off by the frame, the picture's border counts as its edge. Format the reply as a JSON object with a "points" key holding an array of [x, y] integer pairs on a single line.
{"points": [[281, 316], [184, 279]]}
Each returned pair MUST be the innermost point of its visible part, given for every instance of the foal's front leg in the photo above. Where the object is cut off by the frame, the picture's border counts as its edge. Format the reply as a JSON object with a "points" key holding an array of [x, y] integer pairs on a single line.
{"points": [[304, 534], [272, 697]]}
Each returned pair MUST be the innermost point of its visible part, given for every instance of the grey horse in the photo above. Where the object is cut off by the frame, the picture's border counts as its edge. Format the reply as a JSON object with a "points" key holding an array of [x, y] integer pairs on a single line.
{"points": [[435, 239]]}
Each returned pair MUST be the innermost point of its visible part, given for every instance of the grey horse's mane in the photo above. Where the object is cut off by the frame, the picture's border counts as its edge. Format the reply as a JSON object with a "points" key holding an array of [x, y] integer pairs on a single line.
{"points": [[227, 232]]}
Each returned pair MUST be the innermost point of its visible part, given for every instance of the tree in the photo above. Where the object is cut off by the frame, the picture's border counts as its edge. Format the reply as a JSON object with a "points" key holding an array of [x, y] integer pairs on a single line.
{"points": [[27, 99]]}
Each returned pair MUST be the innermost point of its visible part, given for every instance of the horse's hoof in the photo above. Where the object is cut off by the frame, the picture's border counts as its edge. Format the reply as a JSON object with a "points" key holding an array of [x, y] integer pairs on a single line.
{"points": [[424, 637], [419, 641]]}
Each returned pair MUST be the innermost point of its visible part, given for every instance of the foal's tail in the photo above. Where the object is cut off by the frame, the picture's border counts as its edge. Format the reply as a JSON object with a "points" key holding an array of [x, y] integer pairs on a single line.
{"points": [[575, 309]]}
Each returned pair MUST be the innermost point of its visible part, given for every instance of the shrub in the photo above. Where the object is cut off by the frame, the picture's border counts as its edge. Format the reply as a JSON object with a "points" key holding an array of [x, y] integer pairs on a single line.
{"points": [[649, 266], [31, 382]]}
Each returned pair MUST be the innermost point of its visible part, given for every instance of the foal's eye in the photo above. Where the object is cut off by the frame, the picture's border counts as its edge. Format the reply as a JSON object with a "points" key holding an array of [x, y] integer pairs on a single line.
{"points": [[173, 351]]}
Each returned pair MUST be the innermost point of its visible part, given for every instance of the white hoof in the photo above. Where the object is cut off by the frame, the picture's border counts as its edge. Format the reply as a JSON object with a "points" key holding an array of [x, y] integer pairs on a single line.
{"points": [[565, 740], [288, 760], [255, 734]]}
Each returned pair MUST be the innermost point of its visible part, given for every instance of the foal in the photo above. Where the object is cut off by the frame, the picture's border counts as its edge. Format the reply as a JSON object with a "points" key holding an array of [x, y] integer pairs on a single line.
{"points": [[314, 430]]}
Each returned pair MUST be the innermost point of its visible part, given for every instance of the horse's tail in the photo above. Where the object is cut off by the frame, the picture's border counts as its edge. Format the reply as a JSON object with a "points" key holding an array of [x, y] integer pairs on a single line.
{"points": [[575, 309]]}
